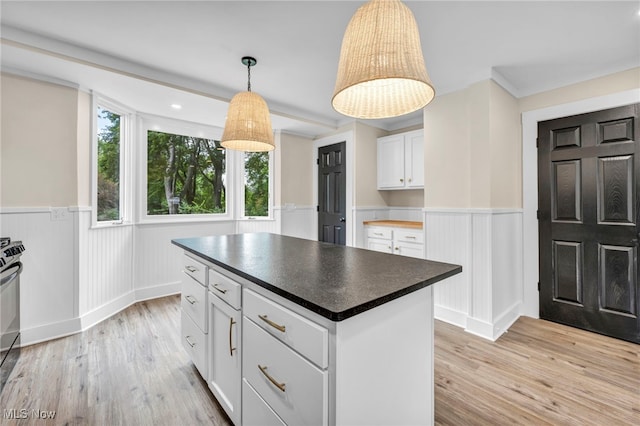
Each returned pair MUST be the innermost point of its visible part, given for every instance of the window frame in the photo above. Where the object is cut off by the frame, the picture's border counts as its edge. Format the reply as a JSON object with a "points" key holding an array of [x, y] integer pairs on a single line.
{"points": [[241, 190], [149, 122], [127, 126]]}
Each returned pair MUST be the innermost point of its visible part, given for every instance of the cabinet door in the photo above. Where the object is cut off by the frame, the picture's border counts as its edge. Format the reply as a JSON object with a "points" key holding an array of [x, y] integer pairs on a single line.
{"points": [[391, 162], [409, 249], [383, 246], [224, 356], [414, 159]]}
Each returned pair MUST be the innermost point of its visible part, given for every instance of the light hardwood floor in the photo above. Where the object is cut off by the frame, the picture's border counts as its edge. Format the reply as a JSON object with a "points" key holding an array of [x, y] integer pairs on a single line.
{"points": [[131, 370]]}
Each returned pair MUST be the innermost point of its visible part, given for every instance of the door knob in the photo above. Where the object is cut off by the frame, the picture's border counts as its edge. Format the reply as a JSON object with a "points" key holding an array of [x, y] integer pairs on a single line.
{"points": [[342, 219]]}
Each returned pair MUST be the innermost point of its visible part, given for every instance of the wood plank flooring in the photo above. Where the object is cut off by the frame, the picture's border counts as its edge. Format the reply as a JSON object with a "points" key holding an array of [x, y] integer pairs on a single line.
{"points": [[131, 370]]}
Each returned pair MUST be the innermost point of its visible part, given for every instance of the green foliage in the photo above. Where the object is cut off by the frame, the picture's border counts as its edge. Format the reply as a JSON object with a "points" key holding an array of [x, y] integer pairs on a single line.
{"points": [[109, 166], [256, 189], [185, 175]]}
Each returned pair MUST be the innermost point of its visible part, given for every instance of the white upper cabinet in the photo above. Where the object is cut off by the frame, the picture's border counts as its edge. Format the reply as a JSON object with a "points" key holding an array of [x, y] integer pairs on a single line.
{"points": [[401, 161]]}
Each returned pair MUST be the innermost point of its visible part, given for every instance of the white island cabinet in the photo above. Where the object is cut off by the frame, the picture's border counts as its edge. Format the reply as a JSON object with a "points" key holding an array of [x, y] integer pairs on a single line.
{"points": [[289, 345]]}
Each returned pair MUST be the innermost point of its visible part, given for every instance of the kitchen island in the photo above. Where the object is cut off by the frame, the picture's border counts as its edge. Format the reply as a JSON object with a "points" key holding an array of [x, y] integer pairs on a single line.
{"points": [[324, 334]]}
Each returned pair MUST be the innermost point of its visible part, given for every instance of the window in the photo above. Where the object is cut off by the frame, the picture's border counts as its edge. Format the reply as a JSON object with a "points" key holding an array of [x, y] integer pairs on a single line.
{"points": [[186, 175], [256, 184], [112, 132]]}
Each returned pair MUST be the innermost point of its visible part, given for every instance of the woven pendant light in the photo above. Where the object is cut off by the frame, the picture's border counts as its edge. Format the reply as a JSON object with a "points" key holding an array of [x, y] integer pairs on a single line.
{"points": [[248, 125], [381, 73]]}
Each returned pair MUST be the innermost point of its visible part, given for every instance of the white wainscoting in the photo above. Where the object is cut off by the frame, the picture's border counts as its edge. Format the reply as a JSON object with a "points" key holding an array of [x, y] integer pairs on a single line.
{"points": [[298, 221], [48, 283], [76, 276], [486, 298]]}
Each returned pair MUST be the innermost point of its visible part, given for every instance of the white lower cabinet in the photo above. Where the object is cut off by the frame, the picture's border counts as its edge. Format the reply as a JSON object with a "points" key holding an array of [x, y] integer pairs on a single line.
{"points": [[405, 242], [256, 412], [294, 388], [270, 362], [225, 356]]}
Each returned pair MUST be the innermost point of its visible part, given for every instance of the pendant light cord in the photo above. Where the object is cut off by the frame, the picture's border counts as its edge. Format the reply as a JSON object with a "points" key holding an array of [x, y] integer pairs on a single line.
{"points": [[249, 76]]}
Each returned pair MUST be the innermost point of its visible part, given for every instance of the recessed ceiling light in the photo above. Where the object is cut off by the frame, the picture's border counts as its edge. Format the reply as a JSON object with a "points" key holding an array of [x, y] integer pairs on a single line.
{"points": [[176, 106]]}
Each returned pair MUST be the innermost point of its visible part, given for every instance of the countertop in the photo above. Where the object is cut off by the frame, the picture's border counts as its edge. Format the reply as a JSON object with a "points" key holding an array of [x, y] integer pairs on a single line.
{"points": [[334, 281], [394, 223]]}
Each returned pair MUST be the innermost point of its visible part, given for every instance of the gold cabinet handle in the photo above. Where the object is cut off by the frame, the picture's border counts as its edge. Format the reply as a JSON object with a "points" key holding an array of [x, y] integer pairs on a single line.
{"points": [[410, 237], [409, 180], [401, 180], [231, 348], [280, 328], [263, 370], [191, 268], [397, 248], [221, 290], [190, 299], [189, 341], [377, 233]]}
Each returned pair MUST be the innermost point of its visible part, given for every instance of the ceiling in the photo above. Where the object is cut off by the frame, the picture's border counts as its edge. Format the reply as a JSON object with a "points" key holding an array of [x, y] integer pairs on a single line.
{"points": [[149, 55]]}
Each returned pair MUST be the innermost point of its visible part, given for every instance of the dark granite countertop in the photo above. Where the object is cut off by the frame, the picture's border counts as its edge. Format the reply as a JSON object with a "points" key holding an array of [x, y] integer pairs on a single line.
{"points": [[334, 281]]}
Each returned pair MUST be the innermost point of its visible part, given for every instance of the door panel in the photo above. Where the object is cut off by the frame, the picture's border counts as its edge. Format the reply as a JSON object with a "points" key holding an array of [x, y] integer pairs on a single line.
{"points": [[588, 171], [332, 194]]}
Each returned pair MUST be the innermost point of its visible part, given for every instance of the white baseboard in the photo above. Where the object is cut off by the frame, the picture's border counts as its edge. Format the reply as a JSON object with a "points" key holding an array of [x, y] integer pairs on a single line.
{"points": [[492, 331], [157, 291], [450, 316], [52, 331]]}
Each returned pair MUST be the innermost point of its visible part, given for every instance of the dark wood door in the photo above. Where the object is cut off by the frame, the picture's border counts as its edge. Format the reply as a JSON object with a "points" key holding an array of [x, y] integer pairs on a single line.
{"points": [[332, 187], [588, 170]]}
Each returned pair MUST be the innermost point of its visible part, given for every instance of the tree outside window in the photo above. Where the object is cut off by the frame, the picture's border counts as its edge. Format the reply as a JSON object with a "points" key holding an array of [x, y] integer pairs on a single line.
{"points": [[108, 199], [256, 184], [185, 175]]}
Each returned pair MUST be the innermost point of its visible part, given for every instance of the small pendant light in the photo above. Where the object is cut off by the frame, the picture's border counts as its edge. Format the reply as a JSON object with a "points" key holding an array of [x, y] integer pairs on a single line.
{"points": [[248, 125], [381, 73]]}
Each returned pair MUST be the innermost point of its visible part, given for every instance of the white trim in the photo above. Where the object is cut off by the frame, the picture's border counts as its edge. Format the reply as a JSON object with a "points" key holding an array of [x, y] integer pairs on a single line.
{"points": [[42, 333], [346, 137], [472, 210], [157, 291], [450, 316], [107, 310], [530, 121], [39, 77], [151, 122]]}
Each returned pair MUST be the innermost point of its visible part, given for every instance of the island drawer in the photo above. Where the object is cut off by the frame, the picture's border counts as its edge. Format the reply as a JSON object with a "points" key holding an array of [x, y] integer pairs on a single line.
{"points": [[409, 236], [293, 387], [195, 343], [225, 288], [194, 301], [379, 232], [194, 268], [308, 338], [256, 412]]}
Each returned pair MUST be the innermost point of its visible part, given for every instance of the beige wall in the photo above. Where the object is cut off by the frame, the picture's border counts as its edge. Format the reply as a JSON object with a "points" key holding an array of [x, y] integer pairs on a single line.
{"points": [[39, 143], [473, 140], [613, 83], [296, 158], [366, 170], [446, 150]]}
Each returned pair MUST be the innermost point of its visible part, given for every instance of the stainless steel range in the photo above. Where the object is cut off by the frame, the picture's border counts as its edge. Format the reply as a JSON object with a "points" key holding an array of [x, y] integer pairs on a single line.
{"points": [[10, 270]]}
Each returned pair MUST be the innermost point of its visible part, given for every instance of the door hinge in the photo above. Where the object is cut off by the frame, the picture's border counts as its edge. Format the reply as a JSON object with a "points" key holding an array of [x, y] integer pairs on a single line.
{"points": [[538, 214], [538, 285], [537, 142], [317, 208], [317, 161]]}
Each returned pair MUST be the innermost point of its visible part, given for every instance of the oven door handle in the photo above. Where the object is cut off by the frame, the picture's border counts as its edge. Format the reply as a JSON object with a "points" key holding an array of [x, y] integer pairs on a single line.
{"points": [[11, 277]]}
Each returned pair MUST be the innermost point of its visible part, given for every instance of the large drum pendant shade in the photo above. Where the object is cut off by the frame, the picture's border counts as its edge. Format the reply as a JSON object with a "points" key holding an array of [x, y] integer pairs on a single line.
{"points": [[381, 73], [248, 125]]}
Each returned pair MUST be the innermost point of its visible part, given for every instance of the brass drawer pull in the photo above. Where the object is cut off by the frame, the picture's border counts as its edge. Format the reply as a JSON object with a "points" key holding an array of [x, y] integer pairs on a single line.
{"points": [[280, 328], [190, 299], [191, 268], [231, 348], [221, 290], [189, 341], [263, 370], [377, 233], [410, 236]]}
